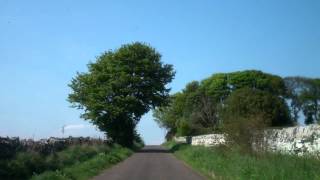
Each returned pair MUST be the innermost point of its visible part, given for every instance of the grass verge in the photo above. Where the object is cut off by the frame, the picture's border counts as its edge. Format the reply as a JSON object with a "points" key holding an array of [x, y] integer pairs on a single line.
{"points": [[89, 168], [27, 163], [226, 163]]}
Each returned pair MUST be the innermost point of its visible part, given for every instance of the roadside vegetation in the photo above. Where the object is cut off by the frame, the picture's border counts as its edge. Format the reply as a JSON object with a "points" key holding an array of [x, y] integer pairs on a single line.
{"points": [[82, 170], [240, 105], [232, 163], [66, 162], [243, 101], [116, 91], [124, 84]]}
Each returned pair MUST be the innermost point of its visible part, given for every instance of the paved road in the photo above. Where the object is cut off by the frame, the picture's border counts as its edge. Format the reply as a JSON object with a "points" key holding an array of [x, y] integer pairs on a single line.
{"points": [[151, 163]]}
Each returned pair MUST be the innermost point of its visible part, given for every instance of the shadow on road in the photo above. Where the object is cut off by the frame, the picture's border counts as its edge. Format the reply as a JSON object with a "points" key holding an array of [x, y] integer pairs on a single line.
{"points": [[154, 149]]}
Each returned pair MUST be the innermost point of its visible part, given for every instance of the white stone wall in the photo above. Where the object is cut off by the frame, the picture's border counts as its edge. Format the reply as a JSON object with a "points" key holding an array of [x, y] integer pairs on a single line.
{"points": [[208, 140], [294, 140], [180, 139]]}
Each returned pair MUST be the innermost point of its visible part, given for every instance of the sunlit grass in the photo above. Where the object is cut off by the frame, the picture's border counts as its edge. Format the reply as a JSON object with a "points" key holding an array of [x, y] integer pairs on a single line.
{"points": [[74, 161], [89, 168], [231, 163]]}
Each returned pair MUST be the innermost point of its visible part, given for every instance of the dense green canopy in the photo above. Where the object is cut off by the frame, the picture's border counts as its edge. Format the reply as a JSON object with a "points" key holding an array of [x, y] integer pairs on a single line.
{"points": [[247, 111], [198, 108], [120, 87]]}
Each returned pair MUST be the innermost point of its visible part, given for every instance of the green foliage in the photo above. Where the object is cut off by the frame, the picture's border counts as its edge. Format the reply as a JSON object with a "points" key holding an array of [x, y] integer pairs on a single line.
{"points": [[9, 148], [25, 164], [89, 168], [231, 163], [184, 128], [248, 102], [120, 87], [246, 111], [138, 142], [304, 94], [258, 80], [197, 109], [189, 112], [221, 85]]}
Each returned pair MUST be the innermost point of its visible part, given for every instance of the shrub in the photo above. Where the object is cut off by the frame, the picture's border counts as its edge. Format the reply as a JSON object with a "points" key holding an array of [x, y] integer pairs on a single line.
{"points": [[27, 163], [86, 169], [248, 111], [9, 147]]}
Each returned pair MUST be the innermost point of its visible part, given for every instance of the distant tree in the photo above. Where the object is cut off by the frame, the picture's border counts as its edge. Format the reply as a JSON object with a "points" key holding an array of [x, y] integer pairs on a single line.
{"points": [[304, 96], [310, 98], [171, 116], [294, 85], [189, 112], [120, 87], [166, 119], [205, 113]]}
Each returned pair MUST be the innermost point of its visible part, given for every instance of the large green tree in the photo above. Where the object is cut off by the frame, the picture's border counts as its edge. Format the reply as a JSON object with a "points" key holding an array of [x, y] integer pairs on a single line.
{"points": [[120, 87], [196, 110]]}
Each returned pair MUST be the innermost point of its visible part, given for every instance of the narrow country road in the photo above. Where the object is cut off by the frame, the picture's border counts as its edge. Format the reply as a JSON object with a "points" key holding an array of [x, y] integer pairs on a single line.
{"points": [[151, 163]]}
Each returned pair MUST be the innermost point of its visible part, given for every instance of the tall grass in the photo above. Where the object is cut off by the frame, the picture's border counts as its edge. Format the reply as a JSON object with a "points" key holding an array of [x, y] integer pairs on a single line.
{"points": [[86, 169], [28, 163], [226, 163]]}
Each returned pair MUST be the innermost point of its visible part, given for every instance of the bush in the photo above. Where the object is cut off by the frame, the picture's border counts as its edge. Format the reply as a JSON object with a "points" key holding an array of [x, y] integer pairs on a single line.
{"points": [[25, 164], [184, 128], [248, 111], [86, 169], [9, 147]]}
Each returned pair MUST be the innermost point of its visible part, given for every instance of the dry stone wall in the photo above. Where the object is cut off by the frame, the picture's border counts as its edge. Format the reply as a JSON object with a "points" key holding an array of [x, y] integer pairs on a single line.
{"points": [[294, 140], [208, 140], [9, 147], [298, 140], [180, 139]]}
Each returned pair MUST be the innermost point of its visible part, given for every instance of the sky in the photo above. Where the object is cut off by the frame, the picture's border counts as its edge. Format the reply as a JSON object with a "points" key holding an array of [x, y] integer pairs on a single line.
{"points": [[44, 43]]}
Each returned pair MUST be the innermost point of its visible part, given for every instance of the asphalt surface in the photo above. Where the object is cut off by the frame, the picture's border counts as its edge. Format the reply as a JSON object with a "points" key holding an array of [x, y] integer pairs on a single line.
{"points": [[151, 163]]}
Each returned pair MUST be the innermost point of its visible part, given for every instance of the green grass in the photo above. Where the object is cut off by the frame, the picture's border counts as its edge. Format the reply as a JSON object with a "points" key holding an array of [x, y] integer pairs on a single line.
{"points": [[27, 163], [226, 163], [86, 169], [64, 163]]}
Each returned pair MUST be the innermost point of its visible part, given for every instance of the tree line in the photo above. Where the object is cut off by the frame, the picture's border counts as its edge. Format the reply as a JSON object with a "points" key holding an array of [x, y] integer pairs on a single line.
{"points": [[124, 84], [251, 98]]}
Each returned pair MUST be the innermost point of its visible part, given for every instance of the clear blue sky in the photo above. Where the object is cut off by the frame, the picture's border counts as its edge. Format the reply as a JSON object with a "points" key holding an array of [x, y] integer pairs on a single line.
{"points": [[44, 43]]}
